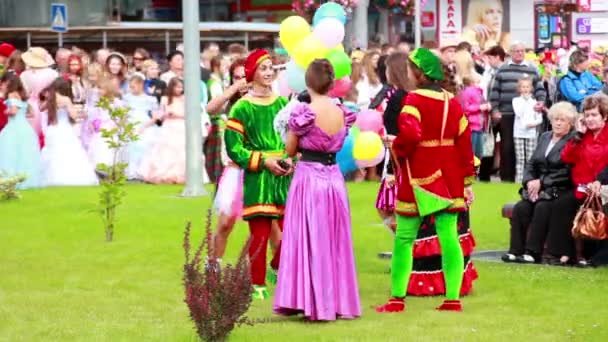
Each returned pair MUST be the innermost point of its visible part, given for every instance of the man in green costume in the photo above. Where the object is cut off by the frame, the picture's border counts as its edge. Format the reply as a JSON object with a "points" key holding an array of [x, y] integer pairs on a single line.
{"points": [[254, 145]]}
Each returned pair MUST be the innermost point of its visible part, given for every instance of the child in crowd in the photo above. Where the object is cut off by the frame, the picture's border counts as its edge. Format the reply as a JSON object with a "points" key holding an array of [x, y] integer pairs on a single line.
{"points": [[64, 160], [350, 100], [98, 150], [94, 75], [476, 109], [525, 125], [19, 144], [143, 113]]}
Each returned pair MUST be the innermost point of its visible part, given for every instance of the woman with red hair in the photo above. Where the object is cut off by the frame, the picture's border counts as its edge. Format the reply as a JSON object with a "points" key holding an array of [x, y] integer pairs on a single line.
{"points": [[74, 75]]}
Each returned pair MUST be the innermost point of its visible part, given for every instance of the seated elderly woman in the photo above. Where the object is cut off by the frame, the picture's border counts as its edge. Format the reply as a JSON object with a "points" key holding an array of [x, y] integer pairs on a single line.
{"points": [[587, 153], [546, 179]]}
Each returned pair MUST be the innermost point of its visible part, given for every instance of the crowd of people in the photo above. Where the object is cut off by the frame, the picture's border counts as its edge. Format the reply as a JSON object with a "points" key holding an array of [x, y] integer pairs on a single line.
{"points": [[451, 115], [58, 96]]}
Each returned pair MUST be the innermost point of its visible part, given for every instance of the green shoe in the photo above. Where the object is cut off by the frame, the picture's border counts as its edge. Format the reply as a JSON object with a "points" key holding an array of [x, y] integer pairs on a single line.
{"points": [[260, 292], [271, 276]]}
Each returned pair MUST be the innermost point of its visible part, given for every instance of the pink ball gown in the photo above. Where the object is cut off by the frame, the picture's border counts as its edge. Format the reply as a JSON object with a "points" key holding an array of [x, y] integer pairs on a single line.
{"points": [[317, 274]]}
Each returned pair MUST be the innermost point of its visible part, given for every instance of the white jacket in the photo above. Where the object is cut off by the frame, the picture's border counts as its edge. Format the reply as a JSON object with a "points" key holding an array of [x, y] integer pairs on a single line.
{"points": [[526, 116]]}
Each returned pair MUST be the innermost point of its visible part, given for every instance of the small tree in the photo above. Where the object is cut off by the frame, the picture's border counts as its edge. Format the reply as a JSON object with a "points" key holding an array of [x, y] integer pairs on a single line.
{"points": [[216, 297], [8, 186], [112, 185]]}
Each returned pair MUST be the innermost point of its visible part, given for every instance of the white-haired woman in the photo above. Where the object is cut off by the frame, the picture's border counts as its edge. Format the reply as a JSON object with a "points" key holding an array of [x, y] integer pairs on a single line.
{"points": [[546, 179], [484, 24]]}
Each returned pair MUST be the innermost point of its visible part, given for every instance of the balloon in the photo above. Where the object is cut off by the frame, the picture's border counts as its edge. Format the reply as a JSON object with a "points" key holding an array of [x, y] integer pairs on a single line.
{"points": [[309, 49], [369, 120], [283, 84], [339, 47], [362, 164], [330, 32], [329, 10], [341, 87], [344, 158], [295, 77], [292, 31], [340, 61], [367, 146]]}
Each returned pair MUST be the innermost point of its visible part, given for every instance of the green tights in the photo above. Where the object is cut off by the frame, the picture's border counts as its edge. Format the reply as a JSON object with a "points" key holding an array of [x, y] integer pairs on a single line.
{"points": [[451, 253]]}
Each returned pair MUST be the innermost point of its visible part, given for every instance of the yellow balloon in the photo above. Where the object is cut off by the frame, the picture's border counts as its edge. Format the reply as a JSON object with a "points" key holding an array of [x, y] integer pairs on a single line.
{"points": [[309, 49], [367, 146], [292, 31]]}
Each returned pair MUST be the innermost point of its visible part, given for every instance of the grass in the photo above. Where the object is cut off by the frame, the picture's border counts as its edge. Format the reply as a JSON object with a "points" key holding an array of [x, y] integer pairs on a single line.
{"points": [[61, 282]]}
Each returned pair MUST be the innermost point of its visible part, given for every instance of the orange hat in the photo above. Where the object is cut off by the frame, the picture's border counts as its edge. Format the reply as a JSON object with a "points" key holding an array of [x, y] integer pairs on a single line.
{"points": [[253, 62]]}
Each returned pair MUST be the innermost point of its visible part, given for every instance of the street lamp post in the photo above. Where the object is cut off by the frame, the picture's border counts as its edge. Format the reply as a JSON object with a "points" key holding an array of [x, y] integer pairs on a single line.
{"points": [[194, 143], [417, 23]]}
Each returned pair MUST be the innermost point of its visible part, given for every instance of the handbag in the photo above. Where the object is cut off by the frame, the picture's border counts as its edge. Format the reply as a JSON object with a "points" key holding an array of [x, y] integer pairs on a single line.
{"points": [[590, 221], [488, 141]]}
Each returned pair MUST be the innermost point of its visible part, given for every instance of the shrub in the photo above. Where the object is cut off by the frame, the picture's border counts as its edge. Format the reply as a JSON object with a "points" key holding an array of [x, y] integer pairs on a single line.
{"points": [[217, 297], [112, 185], [8, 186]]}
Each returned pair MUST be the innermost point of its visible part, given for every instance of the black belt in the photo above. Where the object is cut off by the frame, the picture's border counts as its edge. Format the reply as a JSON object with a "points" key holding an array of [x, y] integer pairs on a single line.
{"points": [[318, 157]]}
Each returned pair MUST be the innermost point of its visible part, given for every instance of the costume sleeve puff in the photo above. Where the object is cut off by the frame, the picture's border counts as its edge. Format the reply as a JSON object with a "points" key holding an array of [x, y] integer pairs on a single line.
{"points": [[302, 119], [350, 116]]}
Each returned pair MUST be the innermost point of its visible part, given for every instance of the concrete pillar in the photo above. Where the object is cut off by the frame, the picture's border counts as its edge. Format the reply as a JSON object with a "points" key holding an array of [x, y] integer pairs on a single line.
{"points": [[192, 87], [383, 26], [361, 36]]}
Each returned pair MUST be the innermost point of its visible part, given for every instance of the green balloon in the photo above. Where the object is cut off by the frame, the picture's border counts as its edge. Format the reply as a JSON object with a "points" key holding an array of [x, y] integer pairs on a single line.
{"points": [[341, 63]]}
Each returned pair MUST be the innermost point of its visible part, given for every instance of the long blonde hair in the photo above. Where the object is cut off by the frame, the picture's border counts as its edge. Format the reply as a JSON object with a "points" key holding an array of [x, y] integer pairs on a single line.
{"points": [[370, 71], [465, 67]]}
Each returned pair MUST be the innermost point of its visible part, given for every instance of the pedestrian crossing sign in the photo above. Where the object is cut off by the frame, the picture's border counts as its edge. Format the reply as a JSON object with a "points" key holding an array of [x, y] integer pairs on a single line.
{"points": [[59, 17]]}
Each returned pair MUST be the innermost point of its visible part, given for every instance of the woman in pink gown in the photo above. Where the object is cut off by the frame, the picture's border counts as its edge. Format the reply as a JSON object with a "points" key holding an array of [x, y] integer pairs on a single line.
{"points": [[36, 78], [165, 162], [317, 274]]}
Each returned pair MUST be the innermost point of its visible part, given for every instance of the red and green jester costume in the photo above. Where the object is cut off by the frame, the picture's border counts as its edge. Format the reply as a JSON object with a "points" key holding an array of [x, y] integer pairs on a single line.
{"points": [[434, 146]]}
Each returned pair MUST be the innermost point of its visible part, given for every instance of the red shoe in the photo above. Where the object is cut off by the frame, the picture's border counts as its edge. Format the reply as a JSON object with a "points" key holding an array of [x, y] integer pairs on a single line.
{"points": [[451, 305], [393, 305]]}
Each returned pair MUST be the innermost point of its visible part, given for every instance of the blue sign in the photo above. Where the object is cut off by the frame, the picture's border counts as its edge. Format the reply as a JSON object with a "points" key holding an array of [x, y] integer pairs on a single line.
{"points": [[59, 17]]}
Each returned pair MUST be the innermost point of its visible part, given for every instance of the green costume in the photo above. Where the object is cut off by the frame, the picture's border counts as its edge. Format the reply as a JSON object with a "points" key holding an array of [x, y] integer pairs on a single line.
{"points": [[250, 137]]}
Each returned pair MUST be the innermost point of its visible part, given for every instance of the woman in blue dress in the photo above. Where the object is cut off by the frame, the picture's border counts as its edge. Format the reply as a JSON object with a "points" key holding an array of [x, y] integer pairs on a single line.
{"points": [[19, 147]]}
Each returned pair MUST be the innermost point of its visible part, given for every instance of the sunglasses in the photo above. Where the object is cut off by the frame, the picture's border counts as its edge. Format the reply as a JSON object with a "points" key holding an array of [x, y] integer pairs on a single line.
{"points": [[138, 58], [238, 77]]}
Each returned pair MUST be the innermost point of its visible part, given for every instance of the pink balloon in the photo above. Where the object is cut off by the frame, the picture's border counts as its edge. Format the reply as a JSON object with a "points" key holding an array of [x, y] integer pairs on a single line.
{"points": [[283, 84], [369, 120], [341, 87], [373, 162], [330, 32]]}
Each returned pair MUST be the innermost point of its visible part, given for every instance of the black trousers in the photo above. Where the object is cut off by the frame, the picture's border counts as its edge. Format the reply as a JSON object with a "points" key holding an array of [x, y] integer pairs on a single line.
{"points": [[560, 241], [507, 148], [529, 227]]}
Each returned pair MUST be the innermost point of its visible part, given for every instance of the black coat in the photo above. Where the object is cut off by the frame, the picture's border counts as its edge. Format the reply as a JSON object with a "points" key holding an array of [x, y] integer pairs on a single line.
{"points": [[552, 172]]}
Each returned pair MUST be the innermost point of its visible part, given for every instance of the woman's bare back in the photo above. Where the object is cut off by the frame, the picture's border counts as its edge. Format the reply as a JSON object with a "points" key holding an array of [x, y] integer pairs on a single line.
{"points": [[328, 116]]}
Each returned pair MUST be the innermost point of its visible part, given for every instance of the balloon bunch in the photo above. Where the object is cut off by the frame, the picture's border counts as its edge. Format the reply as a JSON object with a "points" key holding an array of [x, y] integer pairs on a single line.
{"points": [[305, 44], [363, 146]]}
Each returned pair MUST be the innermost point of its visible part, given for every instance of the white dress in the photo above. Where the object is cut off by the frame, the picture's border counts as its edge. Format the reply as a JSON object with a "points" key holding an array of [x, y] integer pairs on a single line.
{"points": [[141, 108], [98, 150], [64, 160]]}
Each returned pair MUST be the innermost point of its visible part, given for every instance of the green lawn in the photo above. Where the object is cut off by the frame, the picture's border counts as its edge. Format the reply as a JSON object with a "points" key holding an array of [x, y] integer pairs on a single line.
{"points": [[61, 282]]}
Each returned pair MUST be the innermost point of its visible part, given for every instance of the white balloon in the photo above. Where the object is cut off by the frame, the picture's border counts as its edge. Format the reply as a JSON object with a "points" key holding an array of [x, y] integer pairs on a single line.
{"points": [[295, 77], [330, 32]]}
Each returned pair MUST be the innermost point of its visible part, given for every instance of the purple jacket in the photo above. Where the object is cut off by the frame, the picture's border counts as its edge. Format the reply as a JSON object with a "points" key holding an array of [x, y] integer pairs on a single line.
{"points": [[471, 98]]}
